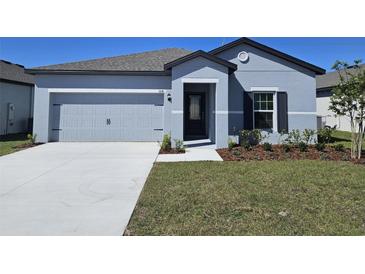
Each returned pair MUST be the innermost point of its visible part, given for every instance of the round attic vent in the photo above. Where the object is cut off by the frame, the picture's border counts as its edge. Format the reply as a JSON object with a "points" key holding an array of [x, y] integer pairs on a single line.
{"points": [[243, 56]]}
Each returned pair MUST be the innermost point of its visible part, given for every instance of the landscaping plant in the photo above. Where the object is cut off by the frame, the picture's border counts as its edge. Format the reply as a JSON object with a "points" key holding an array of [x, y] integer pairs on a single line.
{"points": [[32, 138], [166, 142], [320, 146], [267, 146], [302, 146], [231, 143], [286, 147], [325, 135], [179, 145], [348, 99], [339, 147], [249, 138], [308, 135]]}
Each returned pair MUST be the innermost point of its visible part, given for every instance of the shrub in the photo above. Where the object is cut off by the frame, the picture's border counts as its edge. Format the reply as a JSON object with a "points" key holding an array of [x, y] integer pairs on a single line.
{"points": [[231, 143], [325, 135], [339, 147], [32, 138], [247, 146], [267, 146], [286, 148], [294, 137], [282, 133], [308, 135], [250, 137], [179, 145], [166, 142], [320, 146], [303, 146]]}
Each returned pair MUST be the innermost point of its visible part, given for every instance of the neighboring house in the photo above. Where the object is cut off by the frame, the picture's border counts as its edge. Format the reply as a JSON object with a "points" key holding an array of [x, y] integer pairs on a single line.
{"points": [[16, 99], [191, 95], [325, 117]]}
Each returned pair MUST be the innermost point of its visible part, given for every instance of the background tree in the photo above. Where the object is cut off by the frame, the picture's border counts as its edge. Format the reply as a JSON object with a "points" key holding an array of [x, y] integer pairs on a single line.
{"points": [[348, 99]]}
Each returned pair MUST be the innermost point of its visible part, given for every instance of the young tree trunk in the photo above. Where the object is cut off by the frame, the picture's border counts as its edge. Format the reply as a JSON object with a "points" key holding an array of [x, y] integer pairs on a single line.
{"points": [[360, 137], [353, 139]]}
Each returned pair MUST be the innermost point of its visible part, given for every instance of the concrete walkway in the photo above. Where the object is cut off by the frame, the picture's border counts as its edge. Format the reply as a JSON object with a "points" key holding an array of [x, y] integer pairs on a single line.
{"points": [[72, 188], [191, 154]]}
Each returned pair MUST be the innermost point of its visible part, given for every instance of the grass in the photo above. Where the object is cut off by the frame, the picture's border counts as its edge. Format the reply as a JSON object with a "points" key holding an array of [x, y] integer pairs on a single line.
{"points": [[9, 143], [252, 198], [343, 137]]}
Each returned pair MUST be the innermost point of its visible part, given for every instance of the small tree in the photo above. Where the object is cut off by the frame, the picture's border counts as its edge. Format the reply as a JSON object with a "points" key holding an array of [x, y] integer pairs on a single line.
{"points": [[348, 99]]}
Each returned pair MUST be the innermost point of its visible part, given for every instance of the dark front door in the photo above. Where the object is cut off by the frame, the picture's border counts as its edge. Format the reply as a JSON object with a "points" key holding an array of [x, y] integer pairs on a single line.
{"points": [[194, 116]]}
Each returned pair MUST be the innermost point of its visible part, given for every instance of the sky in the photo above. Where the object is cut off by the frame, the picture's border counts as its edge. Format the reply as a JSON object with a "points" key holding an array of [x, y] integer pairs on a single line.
{"points": [[32, 52]]}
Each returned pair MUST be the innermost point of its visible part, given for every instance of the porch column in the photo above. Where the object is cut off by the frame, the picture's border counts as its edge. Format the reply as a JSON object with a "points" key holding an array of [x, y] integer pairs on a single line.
{"points": [[41, 114], [177, 111], [221, 113]]}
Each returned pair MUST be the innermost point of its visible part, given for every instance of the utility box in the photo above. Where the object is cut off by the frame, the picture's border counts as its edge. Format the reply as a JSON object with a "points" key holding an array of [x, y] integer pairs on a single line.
{"points": [[11, 117]]}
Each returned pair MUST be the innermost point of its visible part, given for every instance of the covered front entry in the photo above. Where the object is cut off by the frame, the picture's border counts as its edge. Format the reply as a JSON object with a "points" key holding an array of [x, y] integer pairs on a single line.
{"points": [[195, 121], [199, 111]]}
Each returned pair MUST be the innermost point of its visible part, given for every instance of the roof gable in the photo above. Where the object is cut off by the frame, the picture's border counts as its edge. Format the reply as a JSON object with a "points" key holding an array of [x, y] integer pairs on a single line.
{"points": [[269, 50], [232, 67]]}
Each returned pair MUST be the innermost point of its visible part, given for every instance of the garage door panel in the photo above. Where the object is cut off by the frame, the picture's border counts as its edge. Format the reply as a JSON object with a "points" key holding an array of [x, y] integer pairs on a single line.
{"points": [[130, 117], [156, 114]]}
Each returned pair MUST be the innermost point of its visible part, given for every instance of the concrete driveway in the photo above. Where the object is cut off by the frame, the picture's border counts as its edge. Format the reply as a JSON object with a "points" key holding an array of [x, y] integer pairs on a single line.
{"points": [[72, 188]]}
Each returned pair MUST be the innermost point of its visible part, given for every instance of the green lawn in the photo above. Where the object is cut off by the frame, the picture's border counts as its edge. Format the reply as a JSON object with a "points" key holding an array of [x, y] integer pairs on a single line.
{"points": [[252, 198], [343, 137], [9, 143]]}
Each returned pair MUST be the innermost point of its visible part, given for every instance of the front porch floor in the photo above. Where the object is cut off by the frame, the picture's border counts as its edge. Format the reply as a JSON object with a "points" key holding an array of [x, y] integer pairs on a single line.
{"points": [[198, 153]]}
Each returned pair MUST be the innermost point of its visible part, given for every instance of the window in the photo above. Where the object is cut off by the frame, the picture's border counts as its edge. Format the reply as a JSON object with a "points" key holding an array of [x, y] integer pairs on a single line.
{"points": [[264, 110], [194, 107]]}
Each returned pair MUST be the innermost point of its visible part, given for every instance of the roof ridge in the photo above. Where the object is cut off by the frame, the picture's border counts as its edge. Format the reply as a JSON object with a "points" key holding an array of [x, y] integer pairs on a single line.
{"points": [[10, 63]]}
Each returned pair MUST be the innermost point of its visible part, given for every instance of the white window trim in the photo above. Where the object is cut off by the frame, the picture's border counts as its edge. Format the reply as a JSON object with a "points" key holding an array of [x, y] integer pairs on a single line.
{"points": [[275, 109]]}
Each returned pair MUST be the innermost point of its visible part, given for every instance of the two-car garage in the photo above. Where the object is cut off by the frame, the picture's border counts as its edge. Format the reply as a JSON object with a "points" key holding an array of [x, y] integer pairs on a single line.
{"points": [[91, 116]]}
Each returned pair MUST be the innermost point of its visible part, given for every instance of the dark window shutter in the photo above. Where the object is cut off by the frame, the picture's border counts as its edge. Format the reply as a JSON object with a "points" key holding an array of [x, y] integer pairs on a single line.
{"points": [[282, 98], [248, 110]]}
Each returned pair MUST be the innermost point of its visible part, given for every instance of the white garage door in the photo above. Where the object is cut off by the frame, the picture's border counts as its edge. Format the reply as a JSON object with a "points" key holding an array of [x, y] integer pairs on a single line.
{"points": [[107, 117]]}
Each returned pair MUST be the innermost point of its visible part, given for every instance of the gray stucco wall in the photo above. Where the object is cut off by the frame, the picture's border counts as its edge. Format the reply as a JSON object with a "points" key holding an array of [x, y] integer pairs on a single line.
{"points": [[265, 70], [21, 97], [204, 69], [226, 111], [45, 84]]}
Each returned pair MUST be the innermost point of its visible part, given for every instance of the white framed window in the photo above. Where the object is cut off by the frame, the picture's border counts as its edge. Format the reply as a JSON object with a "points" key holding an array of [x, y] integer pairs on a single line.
{"points": [[264, 110]]}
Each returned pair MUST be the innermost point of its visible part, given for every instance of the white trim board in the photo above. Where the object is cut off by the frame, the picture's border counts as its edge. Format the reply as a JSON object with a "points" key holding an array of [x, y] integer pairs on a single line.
{"points": [[272, 89], [96, 90], [301, 113], [228, 112], [200, 80]]}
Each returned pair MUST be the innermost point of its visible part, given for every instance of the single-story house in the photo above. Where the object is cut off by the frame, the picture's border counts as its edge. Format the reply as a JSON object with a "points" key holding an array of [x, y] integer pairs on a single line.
{"points": [[191, 95], [325, 117], [16, 99]]}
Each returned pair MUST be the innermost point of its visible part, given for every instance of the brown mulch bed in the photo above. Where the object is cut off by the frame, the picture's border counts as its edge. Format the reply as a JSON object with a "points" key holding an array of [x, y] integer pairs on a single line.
{"points": [[24, 146], [171, 151], [258, 153]]}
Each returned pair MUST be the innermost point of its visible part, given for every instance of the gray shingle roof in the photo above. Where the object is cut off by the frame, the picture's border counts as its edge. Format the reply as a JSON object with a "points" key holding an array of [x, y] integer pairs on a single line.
{"points": [[14, 72], [330, 79], [145, 61]]}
